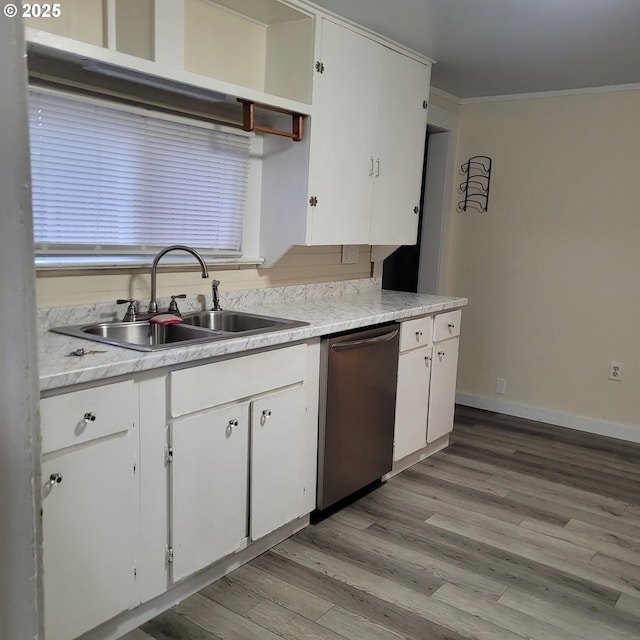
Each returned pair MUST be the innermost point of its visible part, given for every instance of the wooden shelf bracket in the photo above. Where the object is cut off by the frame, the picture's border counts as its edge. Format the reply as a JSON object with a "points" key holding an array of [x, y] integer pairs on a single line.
{"points": [[248, 123]]}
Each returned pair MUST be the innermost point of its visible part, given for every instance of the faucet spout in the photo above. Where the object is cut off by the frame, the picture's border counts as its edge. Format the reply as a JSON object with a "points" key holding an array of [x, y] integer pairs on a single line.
{"points": [[153, 304]]}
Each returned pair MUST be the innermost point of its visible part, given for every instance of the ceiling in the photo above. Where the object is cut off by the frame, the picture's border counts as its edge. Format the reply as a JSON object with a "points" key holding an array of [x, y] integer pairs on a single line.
{"points": [[500, 47]]}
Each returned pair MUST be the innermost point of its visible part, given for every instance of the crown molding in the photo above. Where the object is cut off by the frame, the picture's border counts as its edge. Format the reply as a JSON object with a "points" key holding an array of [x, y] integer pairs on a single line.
{"points": [[551, 94], [445, 94]]}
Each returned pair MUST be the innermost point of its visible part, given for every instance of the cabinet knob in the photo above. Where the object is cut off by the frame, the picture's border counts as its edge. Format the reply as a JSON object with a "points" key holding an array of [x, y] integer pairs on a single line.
{"points": [[89, 417], [55, 478]]}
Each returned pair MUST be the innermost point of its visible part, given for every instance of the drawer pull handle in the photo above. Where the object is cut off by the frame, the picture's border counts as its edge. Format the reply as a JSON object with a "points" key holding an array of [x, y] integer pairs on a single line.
{"points": [[266, 414], [451, 325], [89, 417], [427, 359], [441, 354], [55, 478], [418, 335], [233, 424]]}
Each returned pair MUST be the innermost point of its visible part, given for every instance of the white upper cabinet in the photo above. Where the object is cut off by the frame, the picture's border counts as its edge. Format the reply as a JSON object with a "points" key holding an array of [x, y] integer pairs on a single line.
{"points": [[343, 137], [363, 157], [367, 141], [399, 157]]}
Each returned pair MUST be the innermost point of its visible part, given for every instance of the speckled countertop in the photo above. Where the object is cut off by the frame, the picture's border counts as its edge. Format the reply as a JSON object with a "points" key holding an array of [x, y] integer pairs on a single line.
{"points": [[340, 309]]}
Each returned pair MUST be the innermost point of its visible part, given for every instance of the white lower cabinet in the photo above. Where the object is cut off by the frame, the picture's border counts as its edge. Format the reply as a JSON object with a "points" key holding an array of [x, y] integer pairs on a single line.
{"points": [[90, 510], [412, 402], [228, 452], [427, 368], [443, 388], [208, 499], [277, 486], [237, 471], [412, 393], [446, 331]]}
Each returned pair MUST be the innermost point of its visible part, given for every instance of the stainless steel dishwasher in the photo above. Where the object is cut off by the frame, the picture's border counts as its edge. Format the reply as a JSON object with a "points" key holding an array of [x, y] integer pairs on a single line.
{"points": [[357, 409]]}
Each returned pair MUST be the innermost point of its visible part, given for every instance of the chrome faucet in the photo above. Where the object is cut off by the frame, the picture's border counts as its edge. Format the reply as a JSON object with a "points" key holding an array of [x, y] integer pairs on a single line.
{"points": [[153, 304], [215, 296]]}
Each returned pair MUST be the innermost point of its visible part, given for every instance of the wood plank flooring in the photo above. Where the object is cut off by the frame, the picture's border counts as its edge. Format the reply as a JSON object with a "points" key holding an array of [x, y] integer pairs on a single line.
{"points": [[517, 530]]}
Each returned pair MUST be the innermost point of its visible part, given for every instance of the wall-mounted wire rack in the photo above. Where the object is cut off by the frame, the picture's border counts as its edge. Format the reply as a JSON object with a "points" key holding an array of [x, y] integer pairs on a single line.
{"points": [[476, 185]]}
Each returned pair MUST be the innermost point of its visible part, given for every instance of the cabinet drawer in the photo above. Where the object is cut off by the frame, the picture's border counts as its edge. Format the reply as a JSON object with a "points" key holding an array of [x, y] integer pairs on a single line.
{"points": [[415, 333], [81, 416], [446, 325], [220, 382]]}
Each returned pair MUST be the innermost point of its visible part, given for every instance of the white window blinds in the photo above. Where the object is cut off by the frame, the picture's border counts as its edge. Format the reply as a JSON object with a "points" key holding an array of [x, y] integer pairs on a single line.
{"points": [[116, 179]]}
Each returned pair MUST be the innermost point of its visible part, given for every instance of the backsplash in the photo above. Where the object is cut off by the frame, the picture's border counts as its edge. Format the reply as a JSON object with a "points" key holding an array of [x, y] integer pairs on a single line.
{"points": [[108, 311]]}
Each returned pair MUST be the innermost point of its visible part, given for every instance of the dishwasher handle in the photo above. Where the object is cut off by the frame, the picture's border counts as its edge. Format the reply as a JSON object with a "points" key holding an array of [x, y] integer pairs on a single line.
{"points": [[366, 342]]}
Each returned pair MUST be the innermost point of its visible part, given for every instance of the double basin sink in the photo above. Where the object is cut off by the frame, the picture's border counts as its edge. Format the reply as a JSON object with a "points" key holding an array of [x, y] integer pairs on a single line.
{"points": [[195, 328]]}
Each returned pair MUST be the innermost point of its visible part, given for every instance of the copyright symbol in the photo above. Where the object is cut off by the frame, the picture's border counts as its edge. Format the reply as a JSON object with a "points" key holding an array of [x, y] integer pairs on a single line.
{"points": [[10, 10]]}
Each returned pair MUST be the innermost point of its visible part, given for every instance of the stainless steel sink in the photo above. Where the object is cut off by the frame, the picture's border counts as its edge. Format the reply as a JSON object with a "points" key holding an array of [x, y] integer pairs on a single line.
{"points": [[204, 326], [141, 335], [238, 322]]}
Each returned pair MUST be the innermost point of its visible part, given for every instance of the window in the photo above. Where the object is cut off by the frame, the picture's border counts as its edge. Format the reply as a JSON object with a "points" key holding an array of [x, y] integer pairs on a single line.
{"points": [[113, 179]]}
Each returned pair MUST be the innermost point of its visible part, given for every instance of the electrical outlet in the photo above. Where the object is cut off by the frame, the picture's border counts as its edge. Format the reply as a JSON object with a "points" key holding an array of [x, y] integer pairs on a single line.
{"points": [[350, 253], [615, 371], [501, 386]]}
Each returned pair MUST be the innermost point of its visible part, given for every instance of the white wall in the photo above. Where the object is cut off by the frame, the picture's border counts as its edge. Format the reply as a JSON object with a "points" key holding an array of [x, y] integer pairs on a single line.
{"points": [[552, 270], [20, 539]]}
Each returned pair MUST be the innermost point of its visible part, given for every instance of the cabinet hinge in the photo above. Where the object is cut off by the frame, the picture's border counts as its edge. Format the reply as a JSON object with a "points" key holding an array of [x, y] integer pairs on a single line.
{"points": [[135, 468], [320, 67], [168, 455], [416, 210], [313, 201], [135, 574], [169, 555], [425, 104]]}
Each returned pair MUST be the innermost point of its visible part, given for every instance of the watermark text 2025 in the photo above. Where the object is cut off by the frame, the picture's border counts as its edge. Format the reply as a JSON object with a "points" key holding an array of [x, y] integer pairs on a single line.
{"points": [[30, 10]]}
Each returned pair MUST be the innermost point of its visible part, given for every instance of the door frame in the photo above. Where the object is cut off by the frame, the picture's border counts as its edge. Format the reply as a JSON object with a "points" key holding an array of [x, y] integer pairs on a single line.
{"points": [[440, 170], [20, 483]]}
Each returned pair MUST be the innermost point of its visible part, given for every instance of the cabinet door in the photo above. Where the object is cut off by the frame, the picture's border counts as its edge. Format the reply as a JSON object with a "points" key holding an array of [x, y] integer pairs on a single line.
{"points": [[412, 402], [343, 132], [208, 488], [277, 439], [402, 125], [89, 527], [443, 388]]}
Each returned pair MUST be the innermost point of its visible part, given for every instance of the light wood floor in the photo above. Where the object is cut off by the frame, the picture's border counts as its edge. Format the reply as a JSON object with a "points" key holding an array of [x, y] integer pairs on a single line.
{"points": [[517, 530]]}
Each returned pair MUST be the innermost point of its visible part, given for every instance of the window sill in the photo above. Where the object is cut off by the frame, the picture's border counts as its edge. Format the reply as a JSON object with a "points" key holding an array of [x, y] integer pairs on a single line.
{"points": [[93, 263]]}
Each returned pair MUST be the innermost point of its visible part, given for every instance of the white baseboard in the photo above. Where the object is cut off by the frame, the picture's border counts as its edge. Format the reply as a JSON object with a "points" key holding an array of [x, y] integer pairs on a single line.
{"points": [[570, 421]]}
